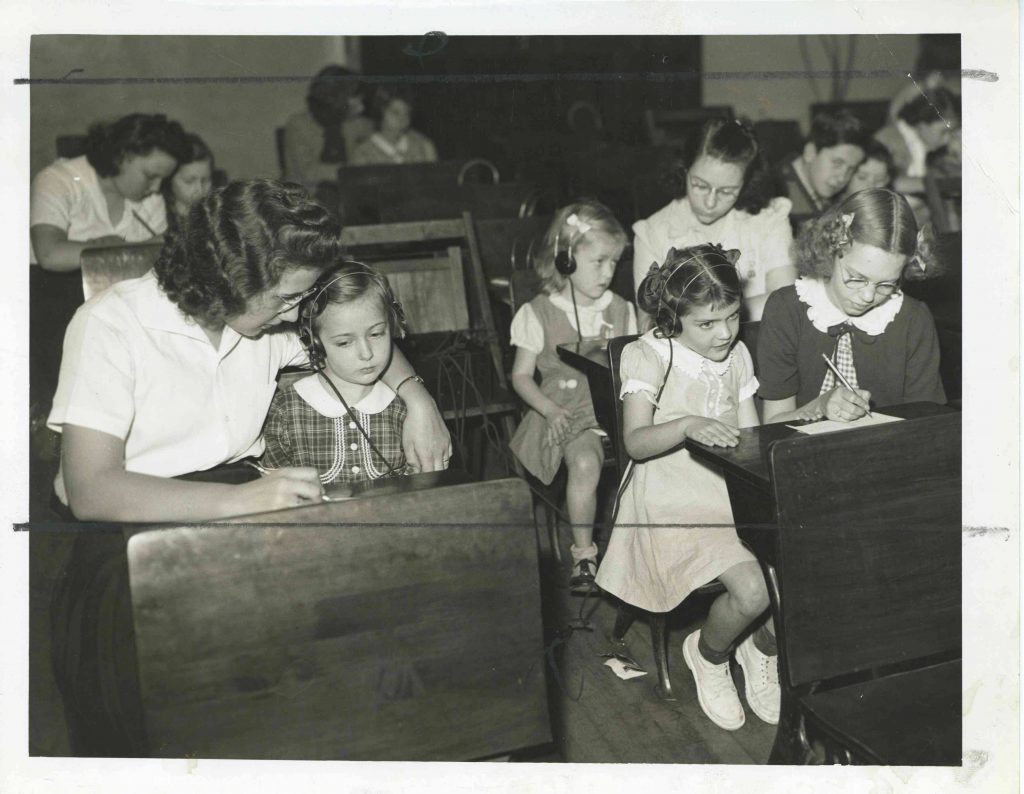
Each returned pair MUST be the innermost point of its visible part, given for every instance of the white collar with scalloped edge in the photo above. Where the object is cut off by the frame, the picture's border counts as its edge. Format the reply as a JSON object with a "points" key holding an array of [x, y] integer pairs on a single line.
{"points": [[686, 360], [591, 317], [323, 401]]}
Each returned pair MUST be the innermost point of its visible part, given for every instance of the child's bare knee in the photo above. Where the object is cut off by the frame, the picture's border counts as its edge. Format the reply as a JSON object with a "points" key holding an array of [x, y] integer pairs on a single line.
{"points": [[586, 463], [751, 595]]}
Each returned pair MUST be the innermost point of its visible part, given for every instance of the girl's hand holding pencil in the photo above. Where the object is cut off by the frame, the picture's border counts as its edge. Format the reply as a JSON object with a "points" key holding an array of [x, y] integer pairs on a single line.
{"points": [[844, 405]]}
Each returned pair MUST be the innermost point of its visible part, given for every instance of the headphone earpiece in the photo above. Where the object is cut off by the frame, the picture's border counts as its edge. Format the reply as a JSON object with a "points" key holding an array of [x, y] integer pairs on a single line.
{"points": [[308, 337], [565, 263]]}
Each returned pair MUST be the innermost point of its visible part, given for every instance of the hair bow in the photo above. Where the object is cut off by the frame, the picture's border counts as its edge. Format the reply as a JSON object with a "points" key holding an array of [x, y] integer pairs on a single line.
{"points": [[581, 226], [839, 233]]}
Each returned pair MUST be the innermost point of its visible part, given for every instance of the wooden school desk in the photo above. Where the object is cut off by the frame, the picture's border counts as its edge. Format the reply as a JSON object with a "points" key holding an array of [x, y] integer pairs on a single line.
{"points": [[403, 623]]}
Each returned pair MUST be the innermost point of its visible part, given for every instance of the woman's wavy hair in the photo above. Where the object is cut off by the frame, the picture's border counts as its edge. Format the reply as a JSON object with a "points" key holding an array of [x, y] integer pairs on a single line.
{"points": [[701, 275], [238, 242], [877, 217], [560, 236], [107, 145], [731, 141]]}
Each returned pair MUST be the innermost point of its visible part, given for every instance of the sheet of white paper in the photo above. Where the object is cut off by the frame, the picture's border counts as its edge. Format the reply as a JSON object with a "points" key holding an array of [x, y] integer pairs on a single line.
{"points": [[829, 426], [620, 669]]}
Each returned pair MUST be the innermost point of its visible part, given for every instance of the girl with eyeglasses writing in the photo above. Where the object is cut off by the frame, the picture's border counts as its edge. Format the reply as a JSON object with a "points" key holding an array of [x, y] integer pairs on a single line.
{"points": [[723, 190], [848, 305]]}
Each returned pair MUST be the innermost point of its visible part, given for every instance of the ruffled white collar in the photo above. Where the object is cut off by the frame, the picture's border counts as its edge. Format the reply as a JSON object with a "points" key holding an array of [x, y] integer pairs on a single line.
{"points": [[322, 399], [824, 314], [687, 361]]}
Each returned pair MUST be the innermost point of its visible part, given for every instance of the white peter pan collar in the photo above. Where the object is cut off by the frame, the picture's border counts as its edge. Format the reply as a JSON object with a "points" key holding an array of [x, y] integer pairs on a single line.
{"points": [[590, 316], [322, 400], [687, 361], [824, 314]]}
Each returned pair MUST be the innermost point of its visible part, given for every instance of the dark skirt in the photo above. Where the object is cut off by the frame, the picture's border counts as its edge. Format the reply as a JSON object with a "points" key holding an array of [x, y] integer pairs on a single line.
{"points": [[93, 638]]}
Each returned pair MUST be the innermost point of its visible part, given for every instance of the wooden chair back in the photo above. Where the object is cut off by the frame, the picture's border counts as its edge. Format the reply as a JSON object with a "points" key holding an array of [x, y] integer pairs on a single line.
{"points": [[940, 193], [431, 290], [508, 244], [401, 627], [615, 432], [869, 547], [778, 139], [363, 191], [506, 200], [102, 267]]}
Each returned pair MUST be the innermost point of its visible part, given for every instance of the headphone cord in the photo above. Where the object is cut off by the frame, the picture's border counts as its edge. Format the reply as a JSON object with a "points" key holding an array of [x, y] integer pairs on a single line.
{"points": [[391, 469], [575, 311]]}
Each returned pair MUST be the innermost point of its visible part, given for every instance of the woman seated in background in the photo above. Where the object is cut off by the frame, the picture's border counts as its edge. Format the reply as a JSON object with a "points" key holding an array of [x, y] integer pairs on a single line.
{"points": [[877, 170], [191, 181], [723, 193], [108, 196], [832, 152], [922, 126], [324, 136], [394, 142]]}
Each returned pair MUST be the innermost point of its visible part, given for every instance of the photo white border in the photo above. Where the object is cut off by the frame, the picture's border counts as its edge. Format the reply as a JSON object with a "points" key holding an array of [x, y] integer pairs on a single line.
{"points": [[990, 30]]}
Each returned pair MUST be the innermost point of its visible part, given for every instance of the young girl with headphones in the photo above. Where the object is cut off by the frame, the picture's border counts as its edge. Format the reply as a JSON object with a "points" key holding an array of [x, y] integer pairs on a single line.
{"points": [[576, 264], [689, 378], [342, 420]]}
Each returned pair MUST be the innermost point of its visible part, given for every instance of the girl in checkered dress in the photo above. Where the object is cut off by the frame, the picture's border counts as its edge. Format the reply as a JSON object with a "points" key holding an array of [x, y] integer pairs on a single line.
{"points": [[347, 326], [849, 306]]}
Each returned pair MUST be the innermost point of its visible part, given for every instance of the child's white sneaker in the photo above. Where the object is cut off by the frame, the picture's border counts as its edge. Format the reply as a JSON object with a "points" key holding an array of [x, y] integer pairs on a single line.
{"points": [[715, 689], [760, 680]]}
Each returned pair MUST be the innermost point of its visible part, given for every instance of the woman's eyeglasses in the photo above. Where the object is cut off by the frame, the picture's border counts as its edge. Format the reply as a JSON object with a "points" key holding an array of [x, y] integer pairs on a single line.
{"points": [[702, 188], [859, 283], [289, 302]]}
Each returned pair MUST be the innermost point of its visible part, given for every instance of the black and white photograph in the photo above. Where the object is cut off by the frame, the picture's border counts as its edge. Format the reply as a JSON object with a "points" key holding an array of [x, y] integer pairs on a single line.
{"points": [[589, 400]]}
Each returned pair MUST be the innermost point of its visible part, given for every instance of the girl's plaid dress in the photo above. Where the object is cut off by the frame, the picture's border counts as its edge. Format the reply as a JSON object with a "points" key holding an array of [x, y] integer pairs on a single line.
{"points": [[307, 426]]}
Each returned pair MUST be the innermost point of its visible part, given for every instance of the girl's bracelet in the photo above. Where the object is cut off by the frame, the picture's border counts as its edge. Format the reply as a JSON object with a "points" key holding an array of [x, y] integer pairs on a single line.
{"points": [[404, 381]]}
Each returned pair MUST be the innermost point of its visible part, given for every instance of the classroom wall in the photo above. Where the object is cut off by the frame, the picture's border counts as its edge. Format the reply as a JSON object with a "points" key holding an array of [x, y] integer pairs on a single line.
{"points": [[791, 97], [236, 119]]}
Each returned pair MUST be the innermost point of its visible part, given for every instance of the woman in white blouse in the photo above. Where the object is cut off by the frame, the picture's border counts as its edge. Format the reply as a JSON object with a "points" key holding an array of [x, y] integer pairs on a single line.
{"points": [[724, 197]]}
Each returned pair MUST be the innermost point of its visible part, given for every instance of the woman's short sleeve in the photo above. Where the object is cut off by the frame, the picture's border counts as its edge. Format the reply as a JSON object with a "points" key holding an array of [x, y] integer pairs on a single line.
{"points": [[97, 377], [527, 331], [642, 371], [777, 346], [50, 199]]}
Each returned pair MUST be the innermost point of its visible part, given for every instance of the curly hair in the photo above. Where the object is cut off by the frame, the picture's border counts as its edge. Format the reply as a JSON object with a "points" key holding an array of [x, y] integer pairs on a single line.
{"points": [[107, 145], [881, 219], [933, 104], [560, 236], [700, 275], [835, 129], [238, 242], [349, 281], [731, 141]]}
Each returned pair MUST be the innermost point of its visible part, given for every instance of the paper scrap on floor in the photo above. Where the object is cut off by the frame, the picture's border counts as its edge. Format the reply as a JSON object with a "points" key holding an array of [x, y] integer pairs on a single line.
{"points": [[830, 426], [622, 670]]}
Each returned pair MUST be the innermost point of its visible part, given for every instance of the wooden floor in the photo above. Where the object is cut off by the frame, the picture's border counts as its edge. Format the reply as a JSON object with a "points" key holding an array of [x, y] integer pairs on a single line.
{"points": [[597, 717]]}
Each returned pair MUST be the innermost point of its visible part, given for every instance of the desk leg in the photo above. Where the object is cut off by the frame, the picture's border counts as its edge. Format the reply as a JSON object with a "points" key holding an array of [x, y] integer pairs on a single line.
{"points": [[754, 514]]}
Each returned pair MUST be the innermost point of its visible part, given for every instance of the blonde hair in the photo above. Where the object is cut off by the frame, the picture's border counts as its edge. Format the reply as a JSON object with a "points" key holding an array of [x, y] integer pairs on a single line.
{"points": [[560, 236]]}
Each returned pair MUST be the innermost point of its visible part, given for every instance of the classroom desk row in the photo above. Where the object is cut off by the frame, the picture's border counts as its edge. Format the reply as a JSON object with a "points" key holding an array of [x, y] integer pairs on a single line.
{"points": [[399, 621]]}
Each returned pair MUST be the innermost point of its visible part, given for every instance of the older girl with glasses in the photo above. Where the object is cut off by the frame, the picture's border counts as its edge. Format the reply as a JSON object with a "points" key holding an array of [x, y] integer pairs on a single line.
{"points": [[848, 305], [723, 196]]}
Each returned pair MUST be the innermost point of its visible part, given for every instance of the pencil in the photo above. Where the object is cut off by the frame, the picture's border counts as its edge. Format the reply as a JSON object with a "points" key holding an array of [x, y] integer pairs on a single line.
{"points": [[148, 227], [839, 375]]}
